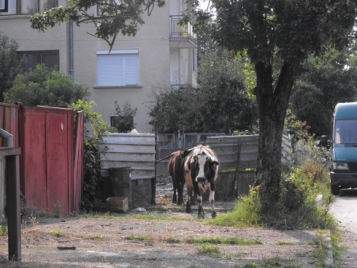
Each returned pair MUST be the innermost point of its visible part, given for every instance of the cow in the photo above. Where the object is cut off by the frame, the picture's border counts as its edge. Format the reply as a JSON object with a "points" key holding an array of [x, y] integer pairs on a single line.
{"points": [[176, 171], [201, 171]]}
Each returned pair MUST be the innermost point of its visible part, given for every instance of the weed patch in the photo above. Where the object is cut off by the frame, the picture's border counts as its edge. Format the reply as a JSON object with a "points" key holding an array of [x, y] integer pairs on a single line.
{"points": [[228, 240], [207, 249], [56, 233]]}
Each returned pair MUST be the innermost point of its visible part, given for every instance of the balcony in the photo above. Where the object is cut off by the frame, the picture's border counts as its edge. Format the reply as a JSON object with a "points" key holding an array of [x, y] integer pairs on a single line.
{"points": [[181, 36]]}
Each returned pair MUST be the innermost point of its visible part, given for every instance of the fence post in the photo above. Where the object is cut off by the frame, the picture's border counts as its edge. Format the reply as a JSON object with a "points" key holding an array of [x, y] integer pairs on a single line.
{"points": [[236, 177]]}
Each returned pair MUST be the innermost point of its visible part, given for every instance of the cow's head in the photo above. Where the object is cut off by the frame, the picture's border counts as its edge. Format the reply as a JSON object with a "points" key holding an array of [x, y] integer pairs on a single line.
{"points": [[204, 168]]}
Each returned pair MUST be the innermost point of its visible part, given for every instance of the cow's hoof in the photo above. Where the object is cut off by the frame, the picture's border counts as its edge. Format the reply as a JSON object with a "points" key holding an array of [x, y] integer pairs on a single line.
{"points": [[214, 214], [188, 209], [201, 215]]}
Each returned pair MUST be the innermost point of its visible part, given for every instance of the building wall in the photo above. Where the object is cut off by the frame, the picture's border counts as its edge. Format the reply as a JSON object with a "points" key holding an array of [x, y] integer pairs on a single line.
{"points": [[152, 42], [17, 27]]}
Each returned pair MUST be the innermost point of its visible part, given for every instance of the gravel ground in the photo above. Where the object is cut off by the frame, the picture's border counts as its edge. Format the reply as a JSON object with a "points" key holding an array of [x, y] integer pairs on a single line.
{"points": [[105, 242]]}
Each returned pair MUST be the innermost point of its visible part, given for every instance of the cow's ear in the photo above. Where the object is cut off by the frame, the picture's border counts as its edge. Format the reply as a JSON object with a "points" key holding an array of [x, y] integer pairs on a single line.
{"points": [[187, 151], [213, 161]]}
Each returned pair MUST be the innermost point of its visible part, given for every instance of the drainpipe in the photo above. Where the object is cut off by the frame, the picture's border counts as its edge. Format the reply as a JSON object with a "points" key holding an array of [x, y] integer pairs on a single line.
{"points": [[8, 137], [70, 38]]}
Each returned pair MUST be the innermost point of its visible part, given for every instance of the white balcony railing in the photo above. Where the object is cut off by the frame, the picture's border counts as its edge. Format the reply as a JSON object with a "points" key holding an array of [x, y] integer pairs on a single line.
{"points": [[181, 32]]}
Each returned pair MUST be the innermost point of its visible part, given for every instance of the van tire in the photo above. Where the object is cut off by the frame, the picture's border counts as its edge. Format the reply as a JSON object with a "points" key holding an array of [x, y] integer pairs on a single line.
{"points": [[335, 190]]}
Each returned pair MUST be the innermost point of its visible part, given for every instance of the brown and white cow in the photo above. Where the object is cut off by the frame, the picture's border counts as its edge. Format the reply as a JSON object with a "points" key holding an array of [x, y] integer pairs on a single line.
{"points": [[176, 171], [201, 171]]}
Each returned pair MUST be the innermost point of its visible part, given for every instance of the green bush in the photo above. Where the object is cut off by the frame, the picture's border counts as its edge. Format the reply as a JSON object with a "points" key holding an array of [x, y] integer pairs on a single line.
{"points": [[297, 206], [44, 86]]}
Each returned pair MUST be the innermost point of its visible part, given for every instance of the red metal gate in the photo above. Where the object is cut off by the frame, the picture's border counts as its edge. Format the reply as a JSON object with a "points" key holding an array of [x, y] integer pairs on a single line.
{"points": [[78, 161], [48, 159]]}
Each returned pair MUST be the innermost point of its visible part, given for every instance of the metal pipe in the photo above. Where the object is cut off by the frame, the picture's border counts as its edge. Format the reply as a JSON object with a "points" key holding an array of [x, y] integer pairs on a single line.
{"points": [[8, 137], [71, 50]]}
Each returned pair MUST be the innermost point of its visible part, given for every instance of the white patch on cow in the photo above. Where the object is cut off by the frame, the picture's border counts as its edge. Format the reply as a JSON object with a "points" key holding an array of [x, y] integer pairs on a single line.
{"points": [[201, 163]]}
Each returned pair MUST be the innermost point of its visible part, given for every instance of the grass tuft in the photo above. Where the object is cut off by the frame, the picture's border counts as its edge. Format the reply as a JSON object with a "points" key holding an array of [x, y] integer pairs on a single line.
{"points": [[220, 240], [207, 249], [56, 233]]}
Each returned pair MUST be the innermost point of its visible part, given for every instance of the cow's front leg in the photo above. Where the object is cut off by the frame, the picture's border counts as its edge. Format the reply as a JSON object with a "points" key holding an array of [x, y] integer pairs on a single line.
{"points": [[211, 200], [201, 213]]}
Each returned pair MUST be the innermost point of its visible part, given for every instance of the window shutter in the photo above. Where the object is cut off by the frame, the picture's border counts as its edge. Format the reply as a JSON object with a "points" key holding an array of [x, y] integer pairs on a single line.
{"points": [[2, 5], [119, 68], [9, 7], [131, 70], [110, 70]]}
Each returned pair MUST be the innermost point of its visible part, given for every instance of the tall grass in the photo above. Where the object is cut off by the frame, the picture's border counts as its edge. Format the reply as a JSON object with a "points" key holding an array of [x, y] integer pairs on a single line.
{"points": [[297, 206]]}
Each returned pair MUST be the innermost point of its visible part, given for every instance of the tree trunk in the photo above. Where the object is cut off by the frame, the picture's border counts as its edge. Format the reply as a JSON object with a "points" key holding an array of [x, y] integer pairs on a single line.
{"points": [[272, 104]]}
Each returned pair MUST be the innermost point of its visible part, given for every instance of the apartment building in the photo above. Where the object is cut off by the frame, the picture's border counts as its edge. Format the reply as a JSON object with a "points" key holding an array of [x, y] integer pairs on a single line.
{"points": [[162, 53]]}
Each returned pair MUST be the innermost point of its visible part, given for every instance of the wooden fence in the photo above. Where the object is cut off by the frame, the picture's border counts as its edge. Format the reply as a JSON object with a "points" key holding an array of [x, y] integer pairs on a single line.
{"points": [[238, 160], [137, 152]]}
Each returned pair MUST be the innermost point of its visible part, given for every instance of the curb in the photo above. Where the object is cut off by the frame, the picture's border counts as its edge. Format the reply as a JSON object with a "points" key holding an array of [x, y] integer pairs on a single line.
{"points": [[329, 258]]}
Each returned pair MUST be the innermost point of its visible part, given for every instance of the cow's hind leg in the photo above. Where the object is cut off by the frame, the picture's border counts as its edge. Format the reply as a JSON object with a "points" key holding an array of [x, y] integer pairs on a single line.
{"points": [[174, 183], [179, 192]]}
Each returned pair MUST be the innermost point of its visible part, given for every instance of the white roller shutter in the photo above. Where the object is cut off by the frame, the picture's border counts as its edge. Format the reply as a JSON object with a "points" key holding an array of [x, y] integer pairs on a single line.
{"points": [[119, 68]]}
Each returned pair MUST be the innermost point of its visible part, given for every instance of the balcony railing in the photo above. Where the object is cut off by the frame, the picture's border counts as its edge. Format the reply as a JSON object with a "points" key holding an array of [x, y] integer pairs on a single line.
{"points": [[181, 32]]}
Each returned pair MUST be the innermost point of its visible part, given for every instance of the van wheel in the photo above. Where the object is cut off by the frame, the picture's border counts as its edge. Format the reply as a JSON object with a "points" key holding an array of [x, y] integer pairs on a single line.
{"points": [[335, 190]]}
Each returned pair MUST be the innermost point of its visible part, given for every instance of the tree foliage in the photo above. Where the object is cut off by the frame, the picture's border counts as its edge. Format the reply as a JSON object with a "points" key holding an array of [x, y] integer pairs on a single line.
{"points": [[220, 104], [113, 18], [326, 81], [44, 86], [285, 31], [223, 89], [10, 64], [91, 156]]}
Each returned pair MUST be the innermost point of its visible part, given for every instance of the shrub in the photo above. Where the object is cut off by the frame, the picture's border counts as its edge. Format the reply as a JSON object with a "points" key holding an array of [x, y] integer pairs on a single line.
{"points": [[44, 86], [297, 206]]}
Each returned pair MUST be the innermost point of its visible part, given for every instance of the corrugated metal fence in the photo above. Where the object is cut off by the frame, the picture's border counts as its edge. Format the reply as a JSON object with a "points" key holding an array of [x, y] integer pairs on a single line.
{"points": [[136, 151], [241, 152]]}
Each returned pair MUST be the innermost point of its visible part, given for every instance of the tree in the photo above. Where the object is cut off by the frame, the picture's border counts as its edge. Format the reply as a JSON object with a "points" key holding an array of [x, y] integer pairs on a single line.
{"points": [[221, 102], [115, 17], [44, 86], [171, 109], [225, 104], [325, 81], [288, 30], [10, 64]]}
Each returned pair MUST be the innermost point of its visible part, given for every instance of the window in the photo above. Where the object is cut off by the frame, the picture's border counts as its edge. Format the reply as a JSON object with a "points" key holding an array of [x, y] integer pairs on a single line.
{"points": [[49, 58], [25, 7], [3, 5], [122, 124], [119, 68]]}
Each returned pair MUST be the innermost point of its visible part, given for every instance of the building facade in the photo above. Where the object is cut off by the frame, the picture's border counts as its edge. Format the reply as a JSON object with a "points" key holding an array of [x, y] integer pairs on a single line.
{"points": [[162, 53]]}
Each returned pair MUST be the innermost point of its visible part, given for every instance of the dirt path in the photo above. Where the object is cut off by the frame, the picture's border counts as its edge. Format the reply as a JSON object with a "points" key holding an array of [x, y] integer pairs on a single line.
{"points": [[155, 243], [126, 242]]}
